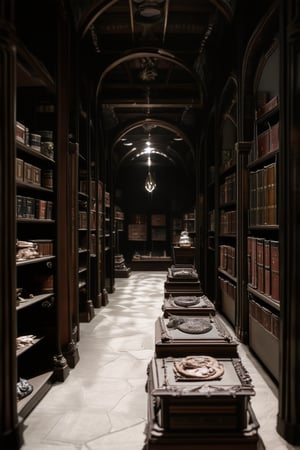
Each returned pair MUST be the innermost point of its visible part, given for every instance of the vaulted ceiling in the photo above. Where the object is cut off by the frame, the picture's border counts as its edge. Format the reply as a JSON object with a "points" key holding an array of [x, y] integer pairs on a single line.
{"points": [[155, 62]]}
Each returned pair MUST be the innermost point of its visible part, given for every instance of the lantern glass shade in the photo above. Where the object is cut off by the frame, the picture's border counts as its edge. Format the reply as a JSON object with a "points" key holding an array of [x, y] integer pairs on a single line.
{"points": [[150, 184]]}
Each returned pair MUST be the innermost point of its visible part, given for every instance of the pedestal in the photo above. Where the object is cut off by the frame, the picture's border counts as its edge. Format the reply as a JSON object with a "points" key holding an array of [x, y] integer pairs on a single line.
{"points": [[216, 342]]}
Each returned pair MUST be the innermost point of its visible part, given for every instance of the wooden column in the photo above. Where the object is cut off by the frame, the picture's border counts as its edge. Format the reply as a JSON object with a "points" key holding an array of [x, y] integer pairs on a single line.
{"points": [[242, 306], [201, 215], [288, 424], [11, 428], [64, 307], [73, 267]]}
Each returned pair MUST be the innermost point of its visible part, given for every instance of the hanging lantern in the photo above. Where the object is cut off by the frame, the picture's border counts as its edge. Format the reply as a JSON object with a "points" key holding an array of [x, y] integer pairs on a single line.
{"points": [[150, 183]]}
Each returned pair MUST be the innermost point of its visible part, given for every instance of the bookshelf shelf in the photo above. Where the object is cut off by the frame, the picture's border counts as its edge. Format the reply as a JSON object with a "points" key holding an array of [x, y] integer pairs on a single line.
{"points": [[264, 298], [35, 341], [27, 302]]}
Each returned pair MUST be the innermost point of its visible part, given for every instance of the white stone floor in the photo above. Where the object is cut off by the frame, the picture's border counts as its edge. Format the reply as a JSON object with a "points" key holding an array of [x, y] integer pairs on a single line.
{"points": [[102, 404]]}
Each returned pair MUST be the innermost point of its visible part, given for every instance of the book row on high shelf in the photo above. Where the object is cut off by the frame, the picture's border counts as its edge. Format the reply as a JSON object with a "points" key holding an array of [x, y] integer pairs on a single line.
{"points": [[227, 287], [228, 292], [263, 266], [32, 174], [265, 317], [139, 226], [263, 195], [87, 219], [34, 208], [227, 222], [228, 189], [227, 259]]}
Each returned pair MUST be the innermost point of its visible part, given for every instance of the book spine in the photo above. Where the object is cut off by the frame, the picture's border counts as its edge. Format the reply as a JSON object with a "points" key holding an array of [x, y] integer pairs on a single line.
{"points": [[30, 208], [49, 210], [40, 209], [260, 264], [253, 263], [19, 169], [20, 211], [274, 251], [28, 173], [267, 268], [272, 187]]}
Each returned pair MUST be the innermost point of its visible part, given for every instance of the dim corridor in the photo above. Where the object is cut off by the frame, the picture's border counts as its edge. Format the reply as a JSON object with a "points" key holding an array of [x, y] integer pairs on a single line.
{"points": [[102, 404]]}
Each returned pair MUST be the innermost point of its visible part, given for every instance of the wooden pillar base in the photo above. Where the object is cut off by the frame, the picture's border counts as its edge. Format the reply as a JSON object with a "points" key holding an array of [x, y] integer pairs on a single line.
{"points": [[71, 354], [14, 438], [61, 368]]}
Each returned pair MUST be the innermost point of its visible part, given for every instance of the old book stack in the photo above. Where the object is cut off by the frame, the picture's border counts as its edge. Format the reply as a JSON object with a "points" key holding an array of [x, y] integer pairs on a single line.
{"points": [[198, 389]]}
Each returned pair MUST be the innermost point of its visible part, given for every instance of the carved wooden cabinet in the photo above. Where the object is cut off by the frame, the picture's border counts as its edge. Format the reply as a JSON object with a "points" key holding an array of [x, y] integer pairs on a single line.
{"points": [[194, 414], [190, 335]]}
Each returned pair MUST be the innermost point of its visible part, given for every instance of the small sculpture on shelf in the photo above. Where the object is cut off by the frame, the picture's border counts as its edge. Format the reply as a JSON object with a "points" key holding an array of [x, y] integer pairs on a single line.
{"points": [[24, 388], [26, 250], [184, 239]]}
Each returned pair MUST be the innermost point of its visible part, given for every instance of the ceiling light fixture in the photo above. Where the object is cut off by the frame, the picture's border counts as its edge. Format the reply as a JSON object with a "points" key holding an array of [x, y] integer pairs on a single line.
{"points": [[150, 183], [148, 149]]}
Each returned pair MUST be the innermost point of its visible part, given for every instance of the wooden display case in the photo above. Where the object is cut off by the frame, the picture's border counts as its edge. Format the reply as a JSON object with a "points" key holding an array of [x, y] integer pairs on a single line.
{"points": [[188, 305], [184, 255], [182, 280], [171, 340], [158, 438], [200, 415]]}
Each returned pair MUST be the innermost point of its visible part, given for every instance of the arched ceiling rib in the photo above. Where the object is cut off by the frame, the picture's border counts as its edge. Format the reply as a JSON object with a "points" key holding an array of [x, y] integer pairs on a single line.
{"points": [[168, 143], [153, 60]]}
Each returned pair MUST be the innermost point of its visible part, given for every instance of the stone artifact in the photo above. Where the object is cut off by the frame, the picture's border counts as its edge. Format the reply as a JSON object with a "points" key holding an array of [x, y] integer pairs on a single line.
{"points": [[190, 325], [198, 368]]}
